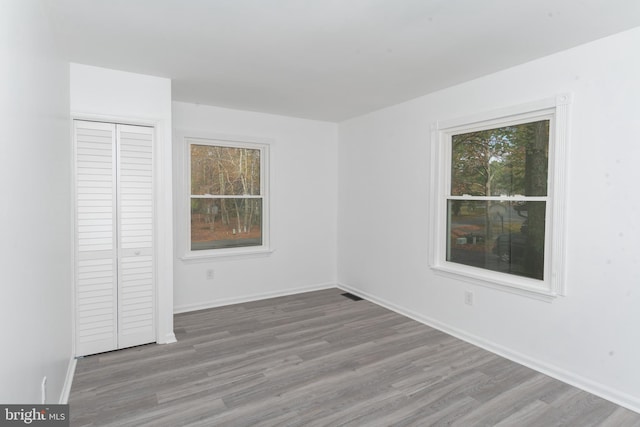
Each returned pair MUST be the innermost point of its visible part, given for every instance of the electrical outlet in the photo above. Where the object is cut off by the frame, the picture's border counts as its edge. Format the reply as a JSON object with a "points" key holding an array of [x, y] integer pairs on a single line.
{"points": [[44, 390], [468, 297], [210, 274]]}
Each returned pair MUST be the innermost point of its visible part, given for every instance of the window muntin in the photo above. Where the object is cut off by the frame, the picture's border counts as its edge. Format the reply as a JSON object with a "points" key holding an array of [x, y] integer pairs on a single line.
{"points": [[489, 167], [227, 195]]}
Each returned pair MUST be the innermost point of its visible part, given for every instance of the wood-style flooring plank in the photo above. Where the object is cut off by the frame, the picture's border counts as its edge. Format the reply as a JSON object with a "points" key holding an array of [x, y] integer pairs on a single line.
{"points": [[320, 359]]}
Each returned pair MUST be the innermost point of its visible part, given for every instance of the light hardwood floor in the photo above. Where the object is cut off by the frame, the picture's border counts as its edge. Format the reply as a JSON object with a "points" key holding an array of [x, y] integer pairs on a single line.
{"points": [[320, 359]]}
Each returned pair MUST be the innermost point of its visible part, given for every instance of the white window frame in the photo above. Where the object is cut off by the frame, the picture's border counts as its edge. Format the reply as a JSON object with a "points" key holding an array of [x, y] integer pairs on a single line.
{"points": [[556, 110], [264, 145]]}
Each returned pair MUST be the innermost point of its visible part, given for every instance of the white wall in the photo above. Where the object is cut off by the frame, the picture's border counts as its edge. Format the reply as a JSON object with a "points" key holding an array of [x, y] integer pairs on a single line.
{"points": [[135, 98], [590, 337], [303, 210], [35, 251]]}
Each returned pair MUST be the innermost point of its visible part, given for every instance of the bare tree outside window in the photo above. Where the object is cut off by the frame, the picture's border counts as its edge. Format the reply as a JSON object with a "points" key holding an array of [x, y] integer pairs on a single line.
{"points": [[226, 197]]}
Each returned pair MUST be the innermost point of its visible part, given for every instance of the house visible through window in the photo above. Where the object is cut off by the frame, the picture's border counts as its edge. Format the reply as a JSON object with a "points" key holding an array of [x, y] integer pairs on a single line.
{"points": [[498, 197], [227, 195]]}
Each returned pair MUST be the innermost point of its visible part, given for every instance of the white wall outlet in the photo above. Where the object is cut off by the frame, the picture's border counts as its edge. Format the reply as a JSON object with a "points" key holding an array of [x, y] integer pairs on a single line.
{"points": [[210, 274], [44, 390], [468, 297]]}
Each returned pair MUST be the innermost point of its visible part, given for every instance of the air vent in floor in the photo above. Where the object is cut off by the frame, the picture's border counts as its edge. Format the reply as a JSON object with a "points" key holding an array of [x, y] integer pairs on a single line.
{"points": [[351, 296]]}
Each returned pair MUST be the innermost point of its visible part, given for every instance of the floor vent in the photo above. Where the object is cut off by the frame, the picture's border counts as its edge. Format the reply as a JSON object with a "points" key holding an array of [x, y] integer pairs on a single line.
{"points": [[351, 296]]}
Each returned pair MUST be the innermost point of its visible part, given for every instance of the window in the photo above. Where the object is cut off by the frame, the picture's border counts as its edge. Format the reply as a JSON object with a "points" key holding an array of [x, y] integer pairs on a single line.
{"points": [[228, 198], [498, 187]]}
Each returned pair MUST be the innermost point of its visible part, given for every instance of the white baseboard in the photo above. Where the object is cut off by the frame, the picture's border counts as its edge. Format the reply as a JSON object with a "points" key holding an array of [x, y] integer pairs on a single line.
{"points": [[68, 380], [593, 387], [247, 298], [168, 339]]}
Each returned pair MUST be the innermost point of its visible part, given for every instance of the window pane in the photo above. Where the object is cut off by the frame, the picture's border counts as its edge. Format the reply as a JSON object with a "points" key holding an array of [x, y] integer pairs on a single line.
{"points": [[225, 223], [218, 170], [501, 236], [506, 161]]}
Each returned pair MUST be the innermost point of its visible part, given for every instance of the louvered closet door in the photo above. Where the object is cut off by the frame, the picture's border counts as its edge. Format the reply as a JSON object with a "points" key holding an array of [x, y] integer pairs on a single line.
{"points": [[96, 252], [135, 225], [115, 286]]}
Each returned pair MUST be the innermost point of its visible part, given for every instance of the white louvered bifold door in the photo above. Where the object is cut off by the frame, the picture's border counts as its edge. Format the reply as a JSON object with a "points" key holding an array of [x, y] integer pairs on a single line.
{"points": [[96, 252], [135, 226], [115, 292]]}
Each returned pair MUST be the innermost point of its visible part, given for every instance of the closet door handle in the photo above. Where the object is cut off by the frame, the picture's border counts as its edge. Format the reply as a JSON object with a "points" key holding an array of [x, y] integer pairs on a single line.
{"points": [[137, 252]]}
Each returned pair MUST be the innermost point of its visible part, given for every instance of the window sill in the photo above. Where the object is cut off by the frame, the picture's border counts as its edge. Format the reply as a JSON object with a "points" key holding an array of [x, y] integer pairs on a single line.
{"points": [[210, 255], [523, 286]]}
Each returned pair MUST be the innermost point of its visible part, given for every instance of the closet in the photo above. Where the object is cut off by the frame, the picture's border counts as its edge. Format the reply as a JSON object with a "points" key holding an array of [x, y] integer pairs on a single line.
{"points": [[114, 249]]}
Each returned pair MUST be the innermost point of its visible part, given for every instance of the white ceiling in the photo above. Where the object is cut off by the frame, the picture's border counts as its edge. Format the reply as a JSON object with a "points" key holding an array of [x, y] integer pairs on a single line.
{"points": [[324, 59]]}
